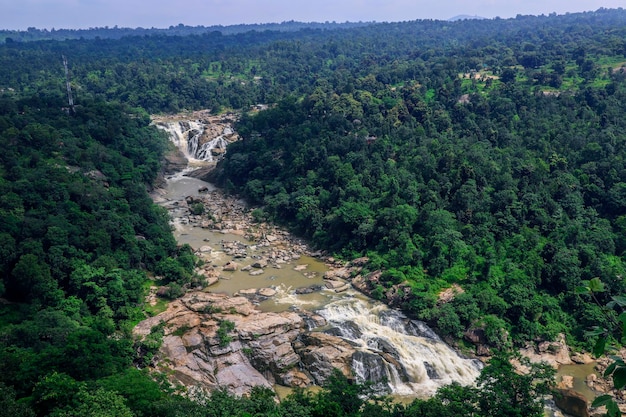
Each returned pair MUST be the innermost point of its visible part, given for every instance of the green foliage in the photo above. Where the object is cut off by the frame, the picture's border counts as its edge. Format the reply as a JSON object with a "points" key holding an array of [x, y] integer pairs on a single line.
{"points": [[197, 209], [449, 153], [9, 404], [223, 336]]}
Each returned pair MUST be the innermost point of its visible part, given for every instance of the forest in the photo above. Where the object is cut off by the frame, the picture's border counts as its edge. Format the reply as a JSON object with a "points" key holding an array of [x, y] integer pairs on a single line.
{"points": [[489, 155]]}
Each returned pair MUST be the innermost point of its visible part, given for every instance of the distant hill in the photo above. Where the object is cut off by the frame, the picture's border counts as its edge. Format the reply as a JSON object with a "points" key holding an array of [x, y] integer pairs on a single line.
{"points": [[465, 17], [34, 34]]}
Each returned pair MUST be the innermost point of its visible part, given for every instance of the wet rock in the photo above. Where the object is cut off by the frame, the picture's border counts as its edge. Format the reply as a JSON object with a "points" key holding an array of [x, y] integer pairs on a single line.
{"points": [[571, 402], [347, 330], [309, 290], [430, 371], [322, 353], [421, 329], [175, 161], [256, 272], [343, 288], [261, 263], [371, 367], [332, 284]]}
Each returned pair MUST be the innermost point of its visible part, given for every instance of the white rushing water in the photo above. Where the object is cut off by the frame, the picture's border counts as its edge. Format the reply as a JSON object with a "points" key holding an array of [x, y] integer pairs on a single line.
{"points": [[401, 356], [187, 135]]}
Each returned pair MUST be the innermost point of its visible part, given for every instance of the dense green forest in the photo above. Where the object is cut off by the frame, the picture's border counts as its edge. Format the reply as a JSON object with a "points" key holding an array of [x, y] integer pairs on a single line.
{"points": [[489, 154]]}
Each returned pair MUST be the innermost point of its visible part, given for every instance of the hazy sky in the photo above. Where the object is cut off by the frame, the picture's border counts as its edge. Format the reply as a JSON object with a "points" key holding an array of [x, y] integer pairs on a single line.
{"points": [[74, 14]]}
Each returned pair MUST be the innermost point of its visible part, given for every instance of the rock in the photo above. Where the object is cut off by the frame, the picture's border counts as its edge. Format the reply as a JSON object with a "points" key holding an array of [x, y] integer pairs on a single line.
{"points": [[341, 273], [360, 261], [260, 353], [483, 350], [571, 402], [449, 294], [301, 267], [267, 292], [175, 161], [247, 292], [309, 290], [582, 358], [205, 249], [567, 382], [475, 336], [163, 292], [343, 288], [231, 266], [192, 200], [246, 268], [323, 352], [261, 263], [590, 380], [332, 284], [256, 272], [212, 280], [295, 378], [554, 353]]}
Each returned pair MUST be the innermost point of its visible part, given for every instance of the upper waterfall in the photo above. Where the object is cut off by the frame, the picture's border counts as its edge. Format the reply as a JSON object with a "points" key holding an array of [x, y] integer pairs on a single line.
{"points": [[201, 137]]}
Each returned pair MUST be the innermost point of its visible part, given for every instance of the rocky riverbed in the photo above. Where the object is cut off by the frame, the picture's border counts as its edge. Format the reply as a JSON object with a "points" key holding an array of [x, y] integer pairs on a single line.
{"points": [[273, 311]]}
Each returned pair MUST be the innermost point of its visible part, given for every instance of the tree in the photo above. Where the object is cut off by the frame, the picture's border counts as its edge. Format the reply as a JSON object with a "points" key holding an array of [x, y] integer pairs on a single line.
{"points": [[95, 403], [506, 392]]}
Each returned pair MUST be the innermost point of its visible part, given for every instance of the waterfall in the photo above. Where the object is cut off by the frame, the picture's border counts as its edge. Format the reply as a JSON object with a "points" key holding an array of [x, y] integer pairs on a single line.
{"points": [[398, 355], [195, 140]]}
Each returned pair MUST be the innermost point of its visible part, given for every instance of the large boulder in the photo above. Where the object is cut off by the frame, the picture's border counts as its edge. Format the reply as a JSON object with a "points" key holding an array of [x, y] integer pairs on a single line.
{"points": [[572, 402], [322, 353]]}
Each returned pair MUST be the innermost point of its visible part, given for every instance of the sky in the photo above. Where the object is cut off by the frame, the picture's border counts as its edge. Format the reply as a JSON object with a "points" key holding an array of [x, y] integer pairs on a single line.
{"points": [[82, 14]]}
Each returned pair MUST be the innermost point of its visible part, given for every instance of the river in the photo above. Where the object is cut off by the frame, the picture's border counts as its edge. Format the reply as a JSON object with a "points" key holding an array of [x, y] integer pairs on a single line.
{"points": [[400, 356]]}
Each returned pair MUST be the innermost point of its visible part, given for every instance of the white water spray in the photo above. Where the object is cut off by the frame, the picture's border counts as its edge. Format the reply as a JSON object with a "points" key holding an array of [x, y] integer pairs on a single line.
{"points": [[193, 139], [403, 354]]}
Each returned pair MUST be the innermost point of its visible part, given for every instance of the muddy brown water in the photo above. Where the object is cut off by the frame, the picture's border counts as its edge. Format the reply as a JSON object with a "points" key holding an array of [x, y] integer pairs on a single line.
{"points": [[283, 277]]}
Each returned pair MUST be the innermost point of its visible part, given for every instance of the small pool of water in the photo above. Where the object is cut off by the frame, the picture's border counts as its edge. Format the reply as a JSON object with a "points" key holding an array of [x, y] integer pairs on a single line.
{"points": [[580, 373]]}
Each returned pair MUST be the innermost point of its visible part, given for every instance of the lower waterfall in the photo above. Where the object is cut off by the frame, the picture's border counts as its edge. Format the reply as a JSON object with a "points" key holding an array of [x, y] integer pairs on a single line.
{"points": [[398, 355]]}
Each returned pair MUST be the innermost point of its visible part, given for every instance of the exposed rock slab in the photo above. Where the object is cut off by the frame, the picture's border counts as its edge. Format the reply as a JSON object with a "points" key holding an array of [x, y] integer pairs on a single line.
{"points": [[263, 349]]}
